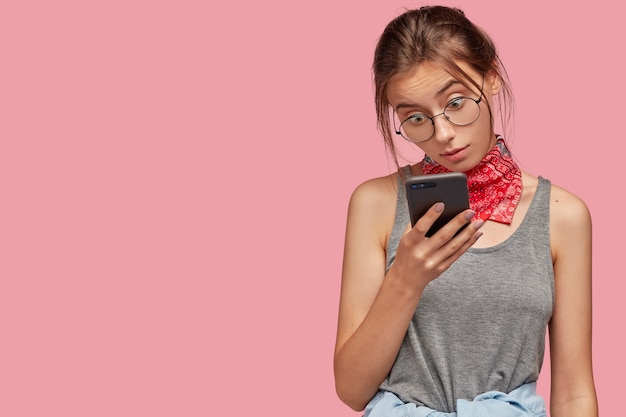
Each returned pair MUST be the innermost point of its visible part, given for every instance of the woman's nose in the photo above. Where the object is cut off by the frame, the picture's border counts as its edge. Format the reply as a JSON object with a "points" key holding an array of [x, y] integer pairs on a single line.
{"points": [[444, 130]]}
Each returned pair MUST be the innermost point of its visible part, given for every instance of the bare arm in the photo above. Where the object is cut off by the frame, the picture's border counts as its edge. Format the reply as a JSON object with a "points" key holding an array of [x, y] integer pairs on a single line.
{"points": [[572, 392], [375, 309]]}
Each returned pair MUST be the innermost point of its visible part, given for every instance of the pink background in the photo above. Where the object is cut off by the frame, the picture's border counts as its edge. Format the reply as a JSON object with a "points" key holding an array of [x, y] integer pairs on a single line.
{"points": [[175, 176]]}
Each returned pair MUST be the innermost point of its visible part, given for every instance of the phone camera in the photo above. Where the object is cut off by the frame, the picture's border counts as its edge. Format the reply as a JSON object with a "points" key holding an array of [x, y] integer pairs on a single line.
{"points": [[421, 185]]}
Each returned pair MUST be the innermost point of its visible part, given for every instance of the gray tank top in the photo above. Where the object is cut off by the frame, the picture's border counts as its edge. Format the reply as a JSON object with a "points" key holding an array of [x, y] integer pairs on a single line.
{"points": [[481, 325]]}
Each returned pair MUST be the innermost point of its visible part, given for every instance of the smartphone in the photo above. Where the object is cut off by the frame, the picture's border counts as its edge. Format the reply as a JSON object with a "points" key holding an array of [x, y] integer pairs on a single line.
{"points": [[425, 190]]}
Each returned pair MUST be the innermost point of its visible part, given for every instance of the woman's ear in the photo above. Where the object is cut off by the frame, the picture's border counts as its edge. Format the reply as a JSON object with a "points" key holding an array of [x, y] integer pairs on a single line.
{"points": [[493, 83]]}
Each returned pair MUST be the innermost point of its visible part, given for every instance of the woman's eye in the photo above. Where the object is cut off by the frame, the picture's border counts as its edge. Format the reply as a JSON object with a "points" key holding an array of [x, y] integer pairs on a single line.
{"points": [[417, 119], [456, 104]]}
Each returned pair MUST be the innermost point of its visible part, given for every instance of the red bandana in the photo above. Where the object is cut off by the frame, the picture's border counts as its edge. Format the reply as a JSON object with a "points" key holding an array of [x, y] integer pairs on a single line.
{"points": [[495, 185]]}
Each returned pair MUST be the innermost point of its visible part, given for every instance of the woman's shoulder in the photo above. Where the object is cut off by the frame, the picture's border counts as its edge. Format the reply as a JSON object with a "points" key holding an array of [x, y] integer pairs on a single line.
{"points": [[570, 219], [373, 206], [567, 208], [376, 191]]}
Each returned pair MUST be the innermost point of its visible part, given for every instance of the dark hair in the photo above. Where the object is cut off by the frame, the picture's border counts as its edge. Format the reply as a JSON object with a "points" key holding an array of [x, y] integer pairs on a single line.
{"points": [[439, 35]]}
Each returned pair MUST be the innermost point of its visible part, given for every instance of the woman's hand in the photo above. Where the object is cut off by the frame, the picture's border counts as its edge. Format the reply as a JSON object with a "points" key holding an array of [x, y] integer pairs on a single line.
{"points": [[421, 259]]}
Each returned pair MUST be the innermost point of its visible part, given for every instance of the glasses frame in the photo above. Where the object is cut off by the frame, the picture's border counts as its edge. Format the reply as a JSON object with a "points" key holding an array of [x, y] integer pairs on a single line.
{"points": [[432, 118]]}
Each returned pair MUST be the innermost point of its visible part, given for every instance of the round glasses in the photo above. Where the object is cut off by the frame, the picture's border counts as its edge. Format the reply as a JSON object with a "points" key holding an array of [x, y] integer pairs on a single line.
{"points": [[461, 111]]}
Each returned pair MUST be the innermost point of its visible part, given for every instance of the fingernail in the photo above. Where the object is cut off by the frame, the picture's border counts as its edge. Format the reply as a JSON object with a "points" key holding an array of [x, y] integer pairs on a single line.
{"points": [[470, 214], [477, 224], [477, 235], [439, 207]]}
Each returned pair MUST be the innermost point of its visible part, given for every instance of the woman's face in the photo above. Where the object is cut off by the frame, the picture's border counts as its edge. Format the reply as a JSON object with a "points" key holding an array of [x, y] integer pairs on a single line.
{"points": [[427, 90]]}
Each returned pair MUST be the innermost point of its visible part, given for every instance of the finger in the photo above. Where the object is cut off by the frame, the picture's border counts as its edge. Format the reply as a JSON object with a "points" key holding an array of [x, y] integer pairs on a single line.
{"points": [[457, 235], [424, 223], [452, 249], [464, 238], [454, 226], [460, 244]]}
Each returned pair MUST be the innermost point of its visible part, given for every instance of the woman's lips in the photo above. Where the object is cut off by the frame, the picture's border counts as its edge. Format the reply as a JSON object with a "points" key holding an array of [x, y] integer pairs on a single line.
{"points": [[455, 155]]}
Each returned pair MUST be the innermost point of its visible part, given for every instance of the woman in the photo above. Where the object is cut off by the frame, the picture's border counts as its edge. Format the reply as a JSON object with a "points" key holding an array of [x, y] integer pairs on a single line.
{"points": [[454, 324]]}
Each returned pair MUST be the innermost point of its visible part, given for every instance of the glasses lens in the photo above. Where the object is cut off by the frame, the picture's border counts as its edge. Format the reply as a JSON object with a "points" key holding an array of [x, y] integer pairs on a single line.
{"points": [[417, 128], [462, 111]]}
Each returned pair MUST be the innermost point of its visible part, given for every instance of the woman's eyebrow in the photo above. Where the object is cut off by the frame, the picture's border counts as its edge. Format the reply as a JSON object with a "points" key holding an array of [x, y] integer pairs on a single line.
{"points": [[446, 86], [438, 93]]}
